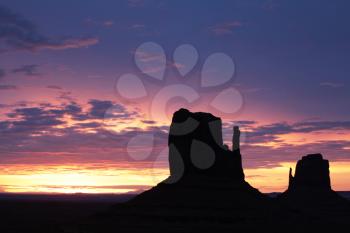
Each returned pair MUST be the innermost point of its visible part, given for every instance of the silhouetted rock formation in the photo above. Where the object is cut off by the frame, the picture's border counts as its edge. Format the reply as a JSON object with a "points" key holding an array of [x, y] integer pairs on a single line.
{"points": [[312, 171], [311, 184], [206, 183], [199, 160], [196, 147]]}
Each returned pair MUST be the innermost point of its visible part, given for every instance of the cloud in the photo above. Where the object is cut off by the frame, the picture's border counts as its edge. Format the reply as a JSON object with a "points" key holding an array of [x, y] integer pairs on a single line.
{"points": [[54, 87], [270, 133], [255, 156], [36, 118], [99, 108], [15, 105], [7, 87], [331, 84], [149, 122], [270, 5], [45, 118], [108, 23], [66, 96], [143, 29], [29, 70], [95, 76], [2, 73], [45, 128], [69, 43], [272, 129], [92, 22], [61, 132], [138, 26], [136, 3], [29, 132], [244, 123], [226, 28], [18, 33], [312, 126]]}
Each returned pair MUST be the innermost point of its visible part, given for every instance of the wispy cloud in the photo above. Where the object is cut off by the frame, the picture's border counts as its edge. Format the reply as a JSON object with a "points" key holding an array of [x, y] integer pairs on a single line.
{"points": [[66, 96], [137, 26], [99, 108], [104, 23], [331, 84], [54, 87], [271, 132], [18, 33], [255, 156], [69, 43], [29, 70], [108, 23], [270, 5], [225, 28], [2, 73], [136, 3], [143, 30], [7, 87]]}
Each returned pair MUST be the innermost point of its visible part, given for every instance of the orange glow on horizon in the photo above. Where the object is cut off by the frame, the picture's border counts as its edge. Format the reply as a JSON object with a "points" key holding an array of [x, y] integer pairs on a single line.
{"points": [[118, 178], [94, 178]]}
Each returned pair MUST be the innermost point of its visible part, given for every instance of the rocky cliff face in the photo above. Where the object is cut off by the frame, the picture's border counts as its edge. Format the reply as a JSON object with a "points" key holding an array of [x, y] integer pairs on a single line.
{"points": [[196, 148], [311, 187], [206, 177], [312, 171]]}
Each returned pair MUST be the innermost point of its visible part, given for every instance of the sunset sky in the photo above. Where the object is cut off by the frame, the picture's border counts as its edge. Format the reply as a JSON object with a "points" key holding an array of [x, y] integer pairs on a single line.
{"points": [[66, 125]]}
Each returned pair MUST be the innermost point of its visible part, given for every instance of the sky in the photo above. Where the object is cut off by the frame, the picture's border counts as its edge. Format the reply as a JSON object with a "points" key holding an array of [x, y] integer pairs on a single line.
{"points": [[87, 88]]}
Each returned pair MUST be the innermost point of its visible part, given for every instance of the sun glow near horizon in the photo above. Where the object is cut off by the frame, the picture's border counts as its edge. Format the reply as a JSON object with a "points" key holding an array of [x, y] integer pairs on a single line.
{"points": [[119, 179], [79, 178]]}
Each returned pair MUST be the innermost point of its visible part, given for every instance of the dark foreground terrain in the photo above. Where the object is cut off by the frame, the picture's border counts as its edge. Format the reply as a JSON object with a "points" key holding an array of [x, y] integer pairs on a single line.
{"points": [[25, 213], [64, 213]]}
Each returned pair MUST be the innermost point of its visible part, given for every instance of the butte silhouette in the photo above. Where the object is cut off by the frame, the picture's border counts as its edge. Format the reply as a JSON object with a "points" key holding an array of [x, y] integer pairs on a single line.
{"points": [[311, 185], [206, 190]]}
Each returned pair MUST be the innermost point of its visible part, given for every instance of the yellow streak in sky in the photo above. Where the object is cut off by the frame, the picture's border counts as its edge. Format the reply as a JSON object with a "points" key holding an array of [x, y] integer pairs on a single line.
{"points": [[124, 178], [77, 179]]}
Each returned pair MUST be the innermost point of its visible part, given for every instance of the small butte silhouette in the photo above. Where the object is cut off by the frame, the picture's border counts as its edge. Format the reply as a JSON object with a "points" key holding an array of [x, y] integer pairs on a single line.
{"points": [[207, 192]]}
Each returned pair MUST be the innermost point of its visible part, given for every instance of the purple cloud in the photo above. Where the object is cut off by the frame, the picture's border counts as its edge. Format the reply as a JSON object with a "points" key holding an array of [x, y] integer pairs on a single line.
{"points": [[99, 108], [92, 22], [7, 87], [29, 70], [18, 33], [54, 87], [226, 28], [331, 84], [29, 132], [261, 156], [2, 73], [136, 3]]}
